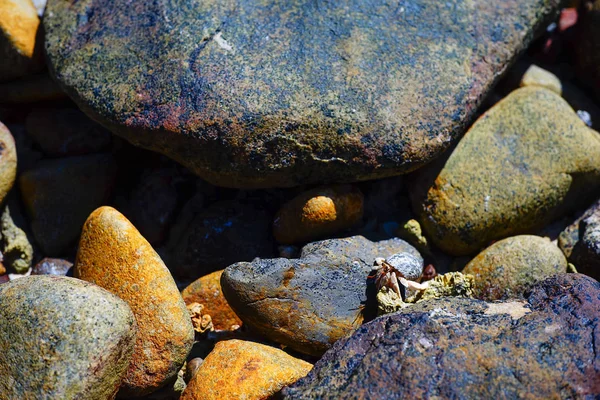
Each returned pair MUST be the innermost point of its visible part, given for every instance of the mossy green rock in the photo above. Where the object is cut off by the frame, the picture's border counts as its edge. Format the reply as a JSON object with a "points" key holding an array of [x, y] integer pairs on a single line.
{"points": [[62, 338], [526, 161], [506, 269], [280, 93]]}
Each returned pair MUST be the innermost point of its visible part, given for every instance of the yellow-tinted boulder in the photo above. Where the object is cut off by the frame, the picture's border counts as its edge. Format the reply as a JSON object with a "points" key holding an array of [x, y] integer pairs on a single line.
{"points": [[207, 291], [114, 255], [318, 213], [238, 369]]}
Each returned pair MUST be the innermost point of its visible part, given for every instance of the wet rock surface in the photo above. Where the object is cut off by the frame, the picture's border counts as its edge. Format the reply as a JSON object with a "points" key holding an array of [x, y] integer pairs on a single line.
{"points": [[62, 338], [250, 94], [532, 139], [310, 302], [113, 255], [462, 348], [509, 267], [238, 369]]}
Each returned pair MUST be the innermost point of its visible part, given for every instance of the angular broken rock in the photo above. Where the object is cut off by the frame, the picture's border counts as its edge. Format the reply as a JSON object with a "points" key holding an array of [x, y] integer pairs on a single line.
{"points": [[268, 94]]}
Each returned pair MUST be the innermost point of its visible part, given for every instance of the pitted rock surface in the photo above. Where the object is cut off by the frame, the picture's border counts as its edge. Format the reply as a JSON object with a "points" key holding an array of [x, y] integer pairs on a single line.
{"points": [[310, 302], [275, 93], [453, 348]]}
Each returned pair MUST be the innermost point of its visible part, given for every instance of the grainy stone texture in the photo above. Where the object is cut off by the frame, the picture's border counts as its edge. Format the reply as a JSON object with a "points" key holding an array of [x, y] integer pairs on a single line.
{"points": [[569, 237], [61, 338], [264, 94], [113, 255], [20, 50], [318, 213], [586, 251], [310, 302], [222, 234], [207, 291], [526, 161], [66, 132], [17, 252], [542, 348], [59, 194], [508, 268], [238, 369], [587, 46]]}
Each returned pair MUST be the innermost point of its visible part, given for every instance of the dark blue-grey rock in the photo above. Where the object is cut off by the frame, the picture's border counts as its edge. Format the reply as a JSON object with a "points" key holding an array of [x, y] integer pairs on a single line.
{"points": [[585, 250], [62, 338], [310, 302], [281, 93], [544, 347]]}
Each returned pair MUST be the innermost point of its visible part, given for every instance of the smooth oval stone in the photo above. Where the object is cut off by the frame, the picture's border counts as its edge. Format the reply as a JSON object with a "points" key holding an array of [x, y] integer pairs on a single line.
{"points": [[113, 255], [52, 266], [207, 291], [264, 94], [318, 213], [456, 348], [8, 161], [410, 266], [511, 266], [62, 338], [310, 302], [238, 369], [526, 161]]}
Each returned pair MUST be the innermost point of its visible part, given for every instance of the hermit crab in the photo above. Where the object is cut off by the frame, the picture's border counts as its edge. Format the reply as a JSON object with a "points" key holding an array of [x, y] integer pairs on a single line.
{"points": [[400, 269]]}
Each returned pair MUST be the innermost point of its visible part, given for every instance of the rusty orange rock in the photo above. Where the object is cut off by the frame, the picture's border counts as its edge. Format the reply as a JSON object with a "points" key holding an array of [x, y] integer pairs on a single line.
{"points": [[20, 51], [317, 213], [207, 291], [114, 255], [238, 369]]}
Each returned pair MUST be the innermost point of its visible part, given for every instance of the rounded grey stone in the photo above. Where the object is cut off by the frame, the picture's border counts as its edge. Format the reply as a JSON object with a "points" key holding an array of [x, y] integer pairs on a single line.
{"points": [[62, 338], [408, 265]]}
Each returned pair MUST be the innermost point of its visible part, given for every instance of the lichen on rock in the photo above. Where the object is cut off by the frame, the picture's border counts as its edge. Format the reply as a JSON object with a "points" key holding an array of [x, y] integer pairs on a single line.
{"points": [[452, 284]]}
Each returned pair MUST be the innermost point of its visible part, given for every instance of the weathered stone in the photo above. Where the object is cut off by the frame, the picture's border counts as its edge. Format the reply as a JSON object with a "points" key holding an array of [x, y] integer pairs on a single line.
{"points": [[271, 94], [8, 161], [207, 291], [17, 252], [508, 268], [220, 235], [536, 76], [587, 47], [52, 266], [66, 132], [526, 161], [20, 52], [310, 302], [114, 255], [569, 237], [467, 349], [59, 195], [61, 338], [238, 369], [586, 252], [318, 213]]}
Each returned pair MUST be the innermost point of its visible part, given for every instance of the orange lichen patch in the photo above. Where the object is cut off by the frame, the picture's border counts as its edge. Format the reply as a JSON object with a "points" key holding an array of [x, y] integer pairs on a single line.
{"points": [[238, 369], [114, 255], [318, 213], [207, 291], [19, 24]]}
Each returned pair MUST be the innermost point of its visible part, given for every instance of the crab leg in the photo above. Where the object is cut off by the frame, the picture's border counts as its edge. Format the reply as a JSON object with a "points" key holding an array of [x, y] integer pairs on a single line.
{"points": [[414, 285]]}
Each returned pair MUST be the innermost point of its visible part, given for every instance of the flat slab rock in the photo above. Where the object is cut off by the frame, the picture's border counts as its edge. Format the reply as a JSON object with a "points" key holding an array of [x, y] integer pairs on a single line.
{"points": [[310, 302], [545, 347], [264, 94]]}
